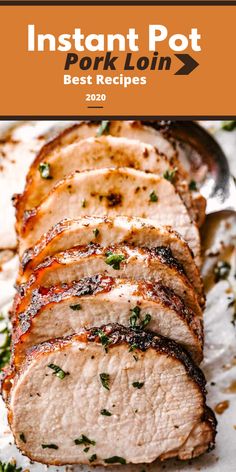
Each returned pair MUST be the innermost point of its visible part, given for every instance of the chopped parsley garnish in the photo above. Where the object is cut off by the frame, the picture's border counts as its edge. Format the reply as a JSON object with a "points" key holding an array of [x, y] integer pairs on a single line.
{"points": [[115, 460], [138, 385], [133, 347], [49, 446], [135, 319], [84, 203], [153, 196], [146, 321], [61, 374], [135, 316], [9, 467], [170, 174], [45, 170], [75, 307], [84, 440], [105, 379], [103, 128], [192, 185], [229, 125], [222, 270], [114, 260], [96, 232], [23, 438], [105, 412], [93, 458], [86, 449], [105, 341], [5, 351]]}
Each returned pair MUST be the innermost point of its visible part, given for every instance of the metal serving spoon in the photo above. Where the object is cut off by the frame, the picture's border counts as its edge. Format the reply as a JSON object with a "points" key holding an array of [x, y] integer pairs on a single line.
{"points": [[218, 187]]}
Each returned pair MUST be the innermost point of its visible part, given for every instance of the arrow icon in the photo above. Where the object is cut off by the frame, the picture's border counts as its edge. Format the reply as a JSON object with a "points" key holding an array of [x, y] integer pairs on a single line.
{"points": [[189, 64]]}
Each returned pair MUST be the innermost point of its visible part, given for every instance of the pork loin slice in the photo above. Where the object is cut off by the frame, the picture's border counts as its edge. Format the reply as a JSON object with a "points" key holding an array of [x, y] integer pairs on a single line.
{"points": [[85, 130], [145, 388], [111, 192], [97, 153], [62, 310], [143, 132], [155, 265], [120, 230]]}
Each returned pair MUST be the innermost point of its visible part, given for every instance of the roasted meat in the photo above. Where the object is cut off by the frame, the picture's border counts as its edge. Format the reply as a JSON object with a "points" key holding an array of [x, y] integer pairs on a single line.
{"points": [[155, 265], [133, 231], [62, 310], [143, 399], [111, 192]]}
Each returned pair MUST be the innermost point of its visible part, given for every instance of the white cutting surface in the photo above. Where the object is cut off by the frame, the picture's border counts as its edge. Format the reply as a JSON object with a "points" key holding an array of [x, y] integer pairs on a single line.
{"points": [[220, 334]]}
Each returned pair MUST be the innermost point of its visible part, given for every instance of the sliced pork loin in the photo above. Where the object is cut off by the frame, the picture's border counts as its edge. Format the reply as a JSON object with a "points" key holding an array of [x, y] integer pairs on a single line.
{"points": [[85, 130], [154, 265], [121, 230], [62, 310], [144, 388], [112, 192], [97, 153], [134, 130]]}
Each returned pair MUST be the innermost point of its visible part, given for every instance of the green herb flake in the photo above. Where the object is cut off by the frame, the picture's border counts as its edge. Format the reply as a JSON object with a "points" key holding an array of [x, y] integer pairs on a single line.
{"points": [[86, 449], [134, 316], [76, 307], [170, 174], [114, 260], [103, 128], [9, 467], [115, 460], [96, 232], [61, 374], [229, 125], [105, 412], [5, 350], [93, 458], [146, 321], [105, 341], [23, 438], [45, 170], [138, 385], [84, 203], [153, 197], [221, 270], [192, 185], [84, 440], [49, 446], [105, 379], [135, 319], [133, 347]]}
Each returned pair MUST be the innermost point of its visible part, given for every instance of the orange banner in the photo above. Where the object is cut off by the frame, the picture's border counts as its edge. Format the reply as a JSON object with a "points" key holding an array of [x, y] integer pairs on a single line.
{"points": [[117, 60]]}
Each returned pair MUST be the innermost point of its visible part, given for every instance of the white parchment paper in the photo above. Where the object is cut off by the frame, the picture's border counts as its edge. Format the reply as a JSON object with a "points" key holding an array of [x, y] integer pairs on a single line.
{"points": [[219, 238]]}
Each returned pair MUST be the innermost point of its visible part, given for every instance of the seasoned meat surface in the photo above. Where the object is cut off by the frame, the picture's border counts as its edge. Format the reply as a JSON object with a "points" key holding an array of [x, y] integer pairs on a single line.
{"points": [[97, 153], [155, 265], [133, 231], [126, 393], [112, 192], [62, 310], [132, 130]]}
